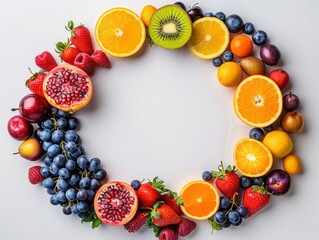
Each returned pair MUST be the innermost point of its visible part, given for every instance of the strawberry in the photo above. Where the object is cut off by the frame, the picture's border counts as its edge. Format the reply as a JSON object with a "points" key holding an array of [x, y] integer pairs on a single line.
{"points": [[34, 175], [35, 82], [163, 215], [255, 198], [81, 37], [84, 61], [100, 59], [173, 200], [149, 193], [185, 227], [227, 181], [137, 222], [168, 233], [45, 61], [66, 52]]}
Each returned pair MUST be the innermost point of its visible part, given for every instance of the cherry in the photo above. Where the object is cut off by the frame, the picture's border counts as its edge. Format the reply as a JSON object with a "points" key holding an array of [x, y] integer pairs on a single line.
{"points": [[195, 13], [33, 108]]}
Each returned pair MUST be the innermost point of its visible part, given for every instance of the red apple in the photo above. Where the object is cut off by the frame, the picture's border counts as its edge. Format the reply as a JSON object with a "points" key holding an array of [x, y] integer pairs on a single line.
{"points": [[280, 77], [19, 128], [278, 182]]}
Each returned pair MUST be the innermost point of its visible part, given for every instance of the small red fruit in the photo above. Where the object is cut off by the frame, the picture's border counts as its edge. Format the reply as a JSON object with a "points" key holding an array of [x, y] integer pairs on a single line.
{"points": [[255, 198], [81, 37], [34, 175], [45, 61], [100, 59], [35, 82], [168, 233], [173, 201], [163, 215], [280, 77], [227, 181], [185, 227], [84, 61], [67, 52], [138, 221], [19, 128], [149, 193]]}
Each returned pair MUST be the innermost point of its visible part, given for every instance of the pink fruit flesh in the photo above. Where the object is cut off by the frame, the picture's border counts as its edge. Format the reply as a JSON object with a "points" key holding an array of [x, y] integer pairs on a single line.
{"points": [[19, 128]]}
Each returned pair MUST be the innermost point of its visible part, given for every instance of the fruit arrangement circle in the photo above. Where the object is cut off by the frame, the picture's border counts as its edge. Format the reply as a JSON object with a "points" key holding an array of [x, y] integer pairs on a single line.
{"points": [[246, 63]]}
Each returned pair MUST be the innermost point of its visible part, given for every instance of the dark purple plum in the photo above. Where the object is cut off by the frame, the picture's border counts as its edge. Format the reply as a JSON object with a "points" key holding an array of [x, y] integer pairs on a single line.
{"points": [[278, 182], [290, 102], [270, 54], [195, 13]]}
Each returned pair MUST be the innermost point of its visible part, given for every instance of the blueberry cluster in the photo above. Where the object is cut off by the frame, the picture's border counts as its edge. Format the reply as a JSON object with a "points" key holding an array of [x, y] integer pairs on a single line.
{"points": [[70, 177], [229, 213]]}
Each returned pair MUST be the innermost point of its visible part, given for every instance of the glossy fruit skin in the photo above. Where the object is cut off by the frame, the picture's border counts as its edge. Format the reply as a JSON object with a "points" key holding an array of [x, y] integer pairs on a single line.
{"points": [[19, 128], [207, 175], [241, 45], [270, 54], [221, 16], [252, 65], [195, 13], [147, 195], [259, 37], [234, 23], [180, 4], [217, 62], [229, 74], [45, 61], [280, 76], [248, 28], [33, 108], [31, 149], [256, 133], [292, 122], [245, 182], [255, 198], [228, 56], [278, 182], [35, 82], [291, 102]]}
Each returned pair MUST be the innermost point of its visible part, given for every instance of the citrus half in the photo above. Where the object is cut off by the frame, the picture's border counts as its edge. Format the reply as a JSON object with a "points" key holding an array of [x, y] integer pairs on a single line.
{"points": [[120, 32], [258, 101], [252, 158], [209, 39], [200, 200]]}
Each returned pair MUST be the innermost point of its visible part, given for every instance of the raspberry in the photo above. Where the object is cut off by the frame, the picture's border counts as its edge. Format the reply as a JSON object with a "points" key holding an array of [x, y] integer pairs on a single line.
{"points": [[137, 222], [100, 59], [34, 175], [185, 227], [168, 234], [85, 62]]}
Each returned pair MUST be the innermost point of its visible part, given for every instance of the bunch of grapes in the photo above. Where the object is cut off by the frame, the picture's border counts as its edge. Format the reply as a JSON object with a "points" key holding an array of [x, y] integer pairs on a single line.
{"points": [[70, 177], [229, 213]]}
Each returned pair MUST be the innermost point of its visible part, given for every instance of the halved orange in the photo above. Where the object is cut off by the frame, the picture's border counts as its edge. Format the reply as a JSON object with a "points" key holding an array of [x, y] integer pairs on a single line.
{"points": [[209, 39], [258, 101], [200, 200], [120, 32], [252, 158]]}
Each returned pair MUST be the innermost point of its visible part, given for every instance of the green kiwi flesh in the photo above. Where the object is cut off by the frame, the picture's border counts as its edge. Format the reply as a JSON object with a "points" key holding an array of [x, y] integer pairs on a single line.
{"points": [[170, 27]]}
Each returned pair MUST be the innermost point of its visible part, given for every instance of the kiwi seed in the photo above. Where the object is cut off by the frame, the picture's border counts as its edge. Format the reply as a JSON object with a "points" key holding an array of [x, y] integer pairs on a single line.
{"points": [[170, 27]]}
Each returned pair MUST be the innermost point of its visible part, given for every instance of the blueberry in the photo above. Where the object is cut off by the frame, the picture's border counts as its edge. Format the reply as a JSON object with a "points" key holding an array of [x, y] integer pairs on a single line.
{"points": [[70, 165], [221, 16], [70, 146], [62, 123], [234, 23], [234, 217], [256, 133], [54, 150], [67, 210], [47, 160], [62, 114], [228, 56], [77, 153], [47, 124], [91, 195], [100, 174], [220, 217], [61, 196], [74, 179], [260, 37], [48, 183], [227, 224], [217, 62], [94, 164], [248, 28], [45, 171], [54, 169], [258, 180], [70, 194], [207, 175], [82, 194], [59, 160], [54, 200], [135, 184], [64, 173], [94, 184], [46, 145], [225, 203], [51, 191], [84, 182], [63, 185], [54, 111], [71, 136], [209, 14], [57, 136], [83, 162], [75, 209], [243, 211], [73, 123], [245, 182], [45, 135]]}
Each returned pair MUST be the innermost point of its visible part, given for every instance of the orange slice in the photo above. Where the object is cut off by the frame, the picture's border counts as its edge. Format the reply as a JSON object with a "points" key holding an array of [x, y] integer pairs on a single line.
{"points": [[258, 101], [120, 32], [209, 39], [252, 158], [200, 200]]}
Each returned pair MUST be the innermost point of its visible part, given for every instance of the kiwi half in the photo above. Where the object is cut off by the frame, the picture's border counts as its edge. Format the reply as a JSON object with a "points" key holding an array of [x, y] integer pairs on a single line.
{"points": [[170, 27]]}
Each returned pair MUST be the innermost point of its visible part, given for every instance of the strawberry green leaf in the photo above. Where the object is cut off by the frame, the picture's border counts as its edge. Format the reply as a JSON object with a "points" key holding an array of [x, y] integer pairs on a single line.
{"points": [[215, 226]]}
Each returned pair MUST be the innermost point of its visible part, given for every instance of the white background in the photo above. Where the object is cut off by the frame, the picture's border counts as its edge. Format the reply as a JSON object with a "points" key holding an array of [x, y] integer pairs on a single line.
{"points": [[161, 114]]}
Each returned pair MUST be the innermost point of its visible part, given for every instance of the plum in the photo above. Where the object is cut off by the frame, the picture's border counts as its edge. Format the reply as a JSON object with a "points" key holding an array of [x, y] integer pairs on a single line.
{"points": [[278, 182], [270, 54]]}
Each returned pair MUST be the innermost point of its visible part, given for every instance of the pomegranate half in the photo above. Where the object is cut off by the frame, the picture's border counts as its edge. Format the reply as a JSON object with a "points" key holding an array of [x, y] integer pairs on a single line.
{"points": [[67, 88], [115, 203]]}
